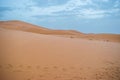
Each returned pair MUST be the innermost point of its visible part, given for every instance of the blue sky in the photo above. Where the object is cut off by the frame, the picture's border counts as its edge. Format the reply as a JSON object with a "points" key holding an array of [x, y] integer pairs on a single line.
{"points": [[88, 16]]}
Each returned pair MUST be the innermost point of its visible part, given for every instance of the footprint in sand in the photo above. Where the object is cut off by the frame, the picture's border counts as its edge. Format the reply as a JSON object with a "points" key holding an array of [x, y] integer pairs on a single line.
{"points": [[108, 73], [90, 39], [17, 71], [71, 37], [72, 67], [46, 67], [41, 76], [64, 69], [0, 66], [20, 66], [9, 66], [38, 67], [78, 78], [29, 79], [57, 77], [29, 67], [55, 67]]}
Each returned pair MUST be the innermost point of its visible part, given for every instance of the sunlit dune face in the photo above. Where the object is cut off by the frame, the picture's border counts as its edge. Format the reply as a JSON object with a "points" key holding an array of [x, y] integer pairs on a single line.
{"points": [[31, 56]]}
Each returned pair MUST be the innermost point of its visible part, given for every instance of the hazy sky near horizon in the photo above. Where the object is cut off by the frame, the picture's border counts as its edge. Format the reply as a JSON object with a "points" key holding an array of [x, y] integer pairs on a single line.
{"points": [[88, 16]]}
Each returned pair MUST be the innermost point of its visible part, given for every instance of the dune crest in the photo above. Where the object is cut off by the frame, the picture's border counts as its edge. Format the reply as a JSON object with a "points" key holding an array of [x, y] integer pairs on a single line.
{"points": [[27, 27]]}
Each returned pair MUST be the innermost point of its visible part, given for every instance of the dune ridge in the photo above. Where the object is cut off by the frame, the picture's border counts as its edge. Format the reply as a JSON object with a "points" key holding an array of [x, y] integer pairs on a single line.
{"points": [[23, 26]]}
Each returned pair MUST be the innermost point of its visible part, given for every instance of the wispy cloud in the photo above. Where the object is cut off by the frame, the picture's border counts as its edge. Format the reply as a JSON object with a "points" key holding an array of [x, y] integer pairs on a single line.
{"points": [[76, 8], [91, 13], [79, 8], [69, 6], [96, 13]]}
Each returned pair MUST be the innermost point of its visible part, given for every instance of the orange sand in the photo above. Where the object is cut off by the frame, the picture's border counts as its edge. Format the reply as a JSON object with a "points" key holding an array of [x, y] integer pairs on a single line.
{"points": [[27, 27], [26, 55]]}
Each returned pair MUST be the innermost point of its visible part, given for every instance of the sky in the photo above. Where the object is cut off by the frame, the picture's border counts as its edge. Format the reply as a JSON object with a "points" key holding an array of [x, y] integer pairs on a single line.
{"points": [[87, 16]]}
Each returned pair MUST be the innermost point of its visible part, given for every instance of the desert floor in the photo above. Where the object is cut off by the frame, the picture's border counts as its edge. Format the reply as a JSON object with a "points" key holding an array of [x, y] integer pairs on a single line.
{"points": [[32, 56]]}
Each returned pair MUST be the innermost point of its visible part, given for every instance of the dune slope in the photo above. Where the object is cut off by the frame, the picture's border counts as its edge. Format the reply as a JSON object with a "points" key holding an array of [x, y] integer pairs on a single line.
{"points": [[30, 56], [23, 26], [27, 27]]}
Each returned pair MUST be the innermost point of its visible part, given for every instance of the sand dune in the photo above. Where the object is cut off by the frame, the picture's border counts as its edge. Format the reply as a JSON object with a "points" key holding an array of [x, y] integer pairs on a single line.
{"points": [[31, 56], [23, 26], [56, 54]]}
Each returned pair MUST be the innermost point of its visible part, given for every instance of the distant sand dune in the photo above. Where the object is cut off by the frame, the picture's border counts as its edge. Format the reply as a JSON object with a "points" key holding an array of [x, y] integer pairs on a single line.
{"points": [[23, 26]]}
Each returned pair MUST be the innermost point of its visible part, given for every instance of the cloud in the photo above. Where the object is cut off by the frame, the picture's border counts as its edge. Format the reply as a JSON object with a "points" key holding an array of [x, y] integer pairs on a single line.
{"points": [[91, 13], [79, 8], [76, 8], [69, 6], [96, 13]]}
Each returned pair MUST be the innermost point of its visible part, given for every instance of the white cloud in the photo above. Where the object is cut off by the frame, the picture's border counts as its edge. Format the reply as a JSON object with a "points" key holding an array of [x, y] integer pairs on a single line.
{"points": [[74, 7], [91, 13], [96, 13], [77, 8], [69, 6]]}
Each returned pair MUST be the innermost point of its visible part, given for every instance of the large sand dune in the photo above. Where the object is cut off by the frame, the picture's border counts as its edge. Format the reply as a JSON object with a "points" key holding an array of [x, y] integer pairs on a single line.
{"points": [[23, 26], [29, 56]]}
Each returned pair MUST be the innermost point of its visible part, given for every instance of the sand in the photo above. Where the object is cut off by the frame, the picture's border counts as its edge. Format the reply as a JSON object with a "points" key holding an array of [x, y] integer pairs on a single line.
{"points": [[37, 56], [27, 27]]}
